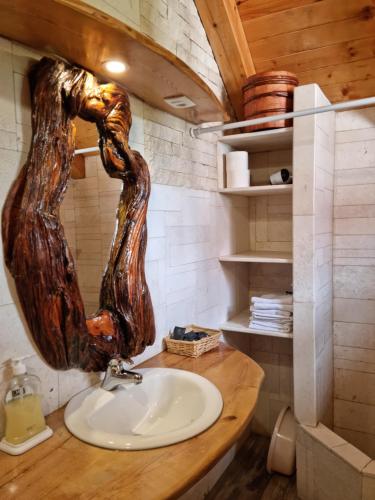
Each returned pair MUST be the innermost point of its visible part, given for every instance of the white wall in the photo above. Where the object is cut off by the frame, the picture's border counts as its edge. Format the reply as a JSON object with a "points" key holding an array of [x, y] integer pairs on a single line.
{"points": [[174, 24], [313, 160], [188, 223], [354, 278]]}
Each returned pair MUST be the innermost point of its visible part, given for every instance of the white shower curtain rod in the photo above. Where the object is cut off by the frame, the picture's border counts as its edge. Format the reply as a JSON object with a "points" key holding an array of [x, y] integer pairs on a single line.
{"points": [[340, 106], [86, 150], [197, 131]]}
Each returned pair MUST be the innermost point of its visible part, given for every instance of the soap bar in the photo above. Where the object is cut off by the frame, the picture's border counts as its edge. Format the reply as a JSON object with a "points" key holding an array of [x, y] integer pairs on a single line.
{"points": [[180, 333], [190, 336]]}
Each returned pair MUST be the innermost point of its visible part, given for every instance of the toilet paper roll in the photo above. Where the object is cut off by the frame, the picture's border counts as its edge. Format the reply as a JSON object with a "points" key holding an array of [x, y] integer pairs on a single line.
{"points": [[281, 177], [237, 167]]}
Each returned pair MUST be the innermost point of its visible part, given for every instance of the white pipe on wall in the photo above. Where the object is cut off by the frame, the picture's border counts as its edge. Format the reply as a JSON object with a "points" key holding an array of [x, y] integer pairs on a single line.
{"points": [[197, 131], [340, 106], [86, 150]]}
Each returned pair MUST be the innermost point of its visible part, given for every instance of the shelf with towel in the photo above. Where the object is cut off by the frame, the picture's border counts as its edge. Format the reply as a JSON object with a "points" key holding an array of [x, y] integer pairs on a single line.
{"points": [[267, 190], [240, 324], [257, 256]]}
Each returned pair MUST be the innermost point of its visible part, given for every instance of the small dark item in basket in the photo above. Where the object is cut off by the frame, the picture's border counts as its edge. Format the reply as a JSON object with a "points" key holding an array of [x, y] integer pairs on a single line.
{"points": [[178, 333], [205, 340], [190, 336]]}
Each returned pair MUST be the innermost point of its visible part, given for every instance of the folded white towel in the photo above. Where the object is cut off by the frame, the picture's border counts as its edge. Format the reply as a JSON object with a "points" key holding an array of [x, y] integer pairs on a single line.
{"points": [[263, 306], [270, 319], [272, 328], [274, 313], [271, 323], [274, 298]]}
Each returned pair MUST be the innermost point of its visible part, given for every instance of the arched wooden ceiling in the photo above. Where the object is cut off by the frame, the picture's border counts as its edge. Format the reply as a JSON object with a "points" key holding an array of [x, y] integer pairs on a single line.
{"points": [[329, 42]]}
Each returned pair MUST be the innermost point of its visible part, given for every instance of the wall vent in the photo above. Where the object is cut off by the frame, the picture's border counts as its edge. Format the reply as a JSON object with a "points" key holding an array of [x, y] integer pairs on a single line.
{"points": [[179, 102]]}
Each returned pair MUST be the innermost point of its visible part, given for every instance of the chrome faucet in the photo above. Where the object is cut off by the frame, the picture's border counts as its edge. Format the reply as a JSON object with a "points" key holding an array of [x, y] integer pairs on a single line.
{"points": [[117, 375]]}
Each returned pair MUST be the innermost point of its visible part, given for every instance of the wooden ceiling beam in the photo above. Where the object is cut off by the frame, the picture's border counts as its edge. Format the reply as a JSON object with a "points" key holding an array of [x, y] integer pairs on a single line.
{"points": [[226, 35]]}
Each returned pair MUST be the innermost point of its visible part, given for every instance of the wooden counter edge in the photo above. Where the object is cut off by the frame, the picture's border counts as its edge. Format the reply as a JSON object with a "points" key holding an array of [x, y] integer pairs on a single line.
{"points": [[12, 468]]}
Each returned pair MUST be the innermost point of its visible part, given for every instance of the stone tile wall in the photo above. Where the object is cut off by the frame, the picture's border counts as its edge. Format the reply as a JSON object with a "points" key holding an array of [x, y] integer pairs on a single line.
{"points": [[174, 24], [186, 222], [354, 278], [330, 468], [312, 259]]}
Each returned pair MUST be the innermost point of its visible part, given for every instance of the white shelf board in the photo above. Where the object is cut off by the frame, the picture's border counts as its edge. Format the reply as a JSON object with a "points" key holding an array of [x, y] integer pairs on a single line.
{"points": [[240, 324], [265, 140], [266, 257], [268, 190]]}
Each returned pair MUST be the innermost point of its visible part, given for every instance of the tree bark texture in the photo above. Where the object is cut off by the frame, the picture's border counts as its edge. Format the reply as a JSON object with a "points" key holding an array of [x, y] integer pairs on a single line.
{"points": [[35, 248]]}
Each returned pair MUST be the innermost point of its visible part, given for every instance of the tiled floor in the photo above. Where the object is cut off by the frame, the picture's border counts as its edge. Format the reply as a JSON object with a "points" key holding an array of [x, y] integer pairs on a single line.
{"points": [[247, 479]]}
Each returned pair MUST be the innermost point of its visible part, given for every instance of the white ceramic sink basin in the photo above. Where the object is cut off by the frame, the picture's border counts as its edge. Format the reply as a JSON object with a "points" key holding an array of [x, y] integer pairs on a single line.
{"points": [[167, 407]]}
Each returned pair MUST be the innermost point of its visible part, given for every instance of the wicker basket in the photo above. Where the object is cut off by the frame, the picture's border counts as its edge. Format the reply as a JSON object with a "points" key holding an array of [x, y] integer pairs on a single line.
{"points": [[194, 348]]}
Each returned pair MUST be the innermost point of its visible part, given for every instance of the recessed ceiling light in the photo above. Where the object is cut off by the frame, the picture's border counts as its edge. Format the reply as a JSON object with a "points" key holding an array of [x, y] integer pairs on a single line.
{"points": [[115, 66]]}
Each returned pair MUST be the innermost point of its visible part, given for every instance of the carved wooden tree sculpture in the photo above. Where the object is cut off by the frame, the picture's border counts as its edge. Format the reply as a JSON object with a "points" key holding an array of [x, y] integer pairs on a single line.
{"points": [[35, 249]]}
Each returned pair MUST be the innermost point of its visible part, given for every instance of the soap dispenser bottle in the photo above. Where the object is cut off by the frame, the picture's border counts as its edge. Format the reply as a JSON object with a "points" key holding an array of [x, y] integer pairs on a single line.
{"points": [[25, 425]]}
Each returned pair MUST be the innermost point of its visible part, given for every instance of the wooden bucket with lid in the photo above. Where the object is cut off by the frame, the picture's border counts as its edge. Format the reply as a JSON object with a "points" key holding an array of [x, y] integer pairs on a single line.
{"points": [[267, 94]]}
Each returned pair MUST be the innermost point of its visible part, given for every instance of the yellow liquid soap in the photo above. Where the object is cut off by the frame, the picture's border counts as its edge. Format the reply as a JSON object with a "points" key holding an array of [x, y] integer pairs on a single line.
{"points": [[24, 418]]}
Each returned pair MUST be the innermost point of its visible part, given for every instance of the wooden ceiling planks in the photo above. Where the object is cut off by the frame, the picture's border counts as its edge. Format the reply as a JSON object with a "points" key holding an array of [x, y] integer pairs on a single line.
{"points": [[303, 17], [328, 42], [311, 38], [323, 57], [340, 73], [356, 89], [250, 9]]}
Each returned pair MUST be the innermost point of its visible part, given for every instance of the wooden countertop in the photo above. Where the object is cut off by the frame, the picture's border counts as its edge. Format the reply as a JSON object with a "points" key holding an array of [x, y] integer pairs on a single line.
{"points": [[64, 467]]}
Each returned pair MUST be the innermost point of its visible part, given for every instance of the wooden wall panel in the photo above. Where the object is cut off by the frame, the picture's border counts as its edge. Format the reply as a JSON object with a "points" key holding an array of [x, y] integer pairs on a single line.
{"points": [[301, 18], [355, 89], [328, 42], [311, 38], [322, 57], [249, 9], [340, 73]]}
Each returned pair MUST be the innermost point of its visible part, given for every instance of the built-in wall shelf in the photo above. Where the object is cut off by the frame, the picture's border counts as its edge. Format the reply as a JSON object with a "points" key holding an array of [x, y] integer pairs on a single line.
{"points": [[257, 256], [240, 323], [88, 37], [259, 190], [265, 140]]}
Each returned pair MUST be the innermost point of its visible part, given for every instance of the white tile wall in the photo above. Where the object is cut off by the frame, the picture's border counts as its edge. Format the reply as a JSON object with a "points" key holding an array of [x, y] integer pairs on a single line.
{"points": [[185, 279], [329, 468], [313, 159], [174, 24], [354, 278]]}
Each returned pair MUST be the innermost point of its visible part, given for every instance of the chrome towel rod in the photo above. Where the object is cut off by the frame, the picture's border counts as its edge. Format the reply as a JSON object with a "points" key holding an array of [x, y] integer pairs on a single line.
{"points": [[197, 131], [86, 150], [340, 106]]}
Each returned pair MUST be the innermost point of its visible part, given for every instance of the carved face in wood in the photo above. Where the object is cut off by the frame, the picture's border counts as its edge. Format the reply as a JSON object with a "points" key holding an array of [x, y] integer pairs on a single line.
{"points": [[35, 248]]}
